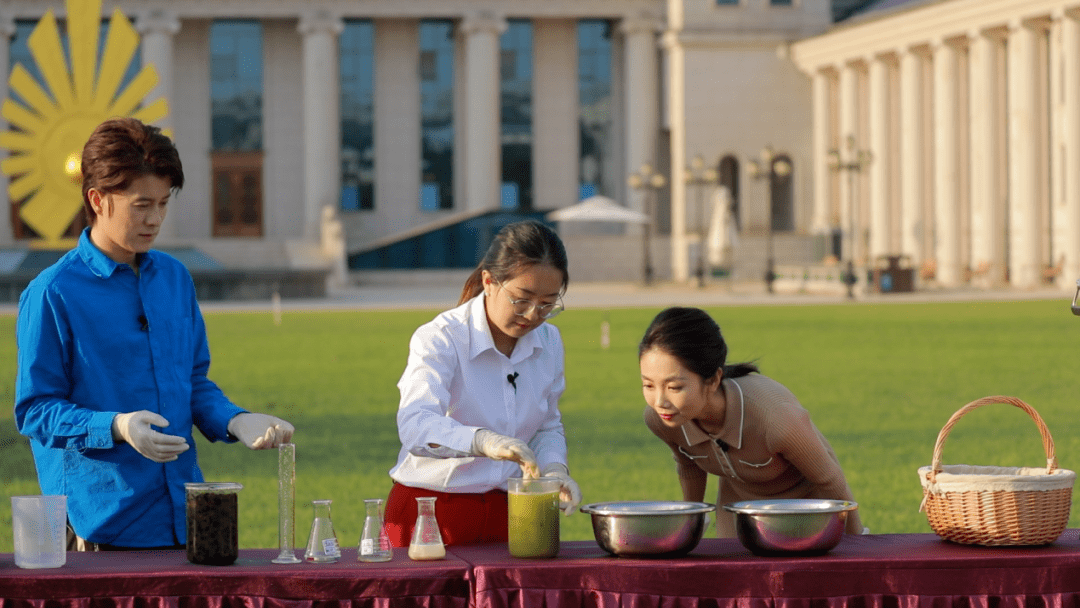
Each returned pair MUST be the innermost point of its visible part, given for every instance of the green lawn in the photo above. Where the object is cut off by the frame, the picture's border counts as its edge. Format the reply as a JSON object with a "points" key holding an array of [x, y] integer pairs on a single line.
{"points": [[879, 379]]}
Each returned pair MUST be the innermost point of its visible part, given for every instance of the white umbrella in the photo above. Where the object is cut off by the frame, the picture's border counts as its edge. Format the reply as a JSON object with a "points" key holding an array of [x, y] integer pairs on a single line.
{"points": [[598, 209]]}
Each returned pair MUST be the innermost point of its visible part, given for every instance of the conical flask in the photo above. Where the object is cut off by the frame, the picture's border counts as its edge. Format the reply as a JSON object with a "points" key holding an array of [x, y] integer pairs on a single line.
{"points": [[426, 540], [322, 546], [374, 541]]}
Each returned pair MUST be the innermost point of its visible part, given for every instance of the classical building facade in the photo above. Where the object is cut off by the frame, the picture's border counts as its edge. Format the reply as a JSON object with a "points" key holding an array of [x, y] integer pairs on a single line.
{"points": [[967, 115], [401, 117]]}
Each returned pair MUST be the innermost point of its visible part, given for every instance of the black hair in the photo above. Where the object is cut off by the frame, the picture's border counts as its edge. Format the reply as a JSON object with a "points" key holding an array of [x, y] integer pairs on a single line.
{"points": [[693, 337], [516, 247]]}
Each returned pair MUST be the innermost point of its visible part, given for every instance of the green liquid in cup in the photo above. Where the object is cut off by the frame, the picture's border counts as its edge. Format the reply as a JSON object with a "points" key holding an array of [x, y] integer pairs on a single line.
{"points": [[534, 524]]}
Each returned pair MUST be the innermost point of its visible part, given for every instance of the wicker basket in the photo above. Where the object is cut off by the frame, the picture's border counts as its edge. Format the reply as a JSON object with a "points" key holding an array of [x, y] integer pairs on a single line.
{"points": [[996, 506]]}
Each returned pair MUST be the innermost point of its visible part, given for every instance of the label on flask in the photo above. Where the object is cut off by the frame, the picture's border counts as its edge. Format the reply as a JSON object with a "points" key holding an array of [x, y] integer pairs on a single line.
{"points": [[367, 546], [329, 547]]}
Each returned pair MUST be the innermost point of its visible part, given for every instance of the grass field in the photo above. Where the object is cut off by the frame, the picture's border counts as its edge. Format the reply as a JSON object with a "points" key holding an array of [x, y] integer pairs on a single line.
{"points": [[880, 380]]}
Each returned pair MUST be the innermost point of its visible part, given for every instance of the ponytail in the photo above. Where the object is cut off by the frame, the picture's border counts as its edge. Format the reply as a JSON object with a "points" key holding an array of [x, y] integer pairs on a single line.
{"points": [[516, 247]]}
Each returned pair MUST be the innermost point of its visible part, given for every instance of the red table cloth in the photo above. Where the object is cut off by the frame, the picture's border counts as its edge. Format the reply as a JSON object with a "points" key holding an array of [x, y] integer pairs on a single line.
{"points": [[879, 571], [165, 579], [876, 571]]}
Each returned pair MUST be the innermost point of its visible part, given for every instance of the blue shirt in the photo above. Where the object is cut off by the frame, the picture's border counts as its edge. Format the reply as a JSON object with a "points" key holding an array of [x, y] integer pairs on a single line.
{"points": [[94, 340]]}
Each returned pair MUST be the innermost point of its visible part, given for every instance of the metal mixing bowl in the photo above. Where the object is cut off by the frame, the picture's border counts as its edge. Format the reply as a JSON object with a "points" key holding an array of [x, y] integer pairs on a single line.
{"points": [[648, 528], [793, 526]]}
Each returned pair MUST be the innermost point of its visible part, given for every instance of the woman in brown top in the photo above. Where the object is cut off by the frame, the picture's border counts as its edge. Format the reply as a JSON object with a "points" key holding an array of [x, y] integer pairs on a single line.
{"points": [[731, 421]]}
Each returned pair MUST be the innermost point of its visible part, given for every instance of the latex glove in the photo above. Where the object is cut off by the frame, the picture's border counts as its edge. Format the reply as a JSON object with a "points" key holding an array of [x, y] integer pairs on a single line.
{"points": [[260, 431], [570, 495], [135, 429], [500, 447]]}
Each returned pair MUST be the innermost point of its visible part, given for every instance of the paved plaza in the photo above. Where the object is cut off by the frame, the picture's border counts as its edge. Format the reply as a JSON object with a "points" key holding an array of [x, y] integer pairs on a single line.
{"points": [[438, 291]]}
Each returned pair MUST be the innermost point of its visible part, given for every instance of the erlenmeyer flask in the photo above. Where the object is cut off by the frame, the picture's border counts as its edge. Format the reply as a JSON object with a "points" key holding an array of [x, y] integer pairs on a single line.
{"points": [[322, 545], [374, 541], [426, 540]]}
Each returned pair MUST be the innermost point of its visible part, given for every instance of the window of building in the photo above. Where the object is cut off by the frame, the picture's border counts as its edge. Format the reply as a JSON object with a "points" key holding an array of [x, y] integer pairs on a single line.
{"points": [[727, 2], [436, 115], [19, 53], [236, 75], [781, 2], [594, 99], [516, 114], [729, 178], [356, 60], [782, 202]]}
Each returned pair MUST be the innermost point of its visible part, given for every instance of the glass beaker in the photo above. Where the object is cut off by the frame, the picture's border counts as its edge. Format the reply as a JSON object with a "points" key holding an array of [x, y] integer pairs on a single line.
{"points": [[322, 545], [533, 517], [212, 528], [374, 541], [286, 505], [426, 540]]}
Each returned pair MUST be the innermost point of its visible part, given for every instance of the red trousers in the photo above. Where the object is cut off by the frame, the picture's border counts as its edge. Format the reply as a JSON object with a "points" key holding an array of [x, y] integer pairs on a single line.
{"points": [[463, 518]]}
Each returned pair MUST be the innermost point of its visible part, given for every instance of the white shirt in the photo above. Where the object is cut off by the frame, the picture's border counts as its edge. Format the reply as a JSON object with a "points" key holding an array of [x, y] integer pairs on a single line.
{"points": [[456, 382]]}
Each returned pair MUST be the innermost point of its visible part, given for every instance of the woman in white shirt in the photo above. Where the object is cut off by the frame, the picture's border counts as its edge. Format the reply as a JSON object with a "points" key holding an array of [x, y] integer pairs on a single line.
{"points": [[480, 394]]}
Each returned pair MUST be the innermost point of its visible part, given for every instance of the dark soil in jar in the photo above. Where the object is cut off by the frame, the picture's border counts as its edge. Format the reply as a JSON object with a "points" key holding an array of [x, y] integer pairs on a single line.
{"points": [[212, 535]]}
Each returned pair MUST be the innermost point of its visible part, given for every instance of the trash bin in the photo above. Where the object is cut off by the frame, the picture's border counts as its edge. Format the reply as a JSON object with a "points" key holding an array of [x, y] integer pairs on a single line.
{"points": [[895, 276]]}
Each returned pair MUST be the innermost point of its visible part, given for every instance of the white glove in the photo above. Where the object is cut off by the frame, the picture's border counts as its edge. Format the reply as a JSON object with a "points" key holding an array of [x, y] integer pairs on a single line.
{"points": [[260, 431], [500, 447], [134, 428], [570, 495]]}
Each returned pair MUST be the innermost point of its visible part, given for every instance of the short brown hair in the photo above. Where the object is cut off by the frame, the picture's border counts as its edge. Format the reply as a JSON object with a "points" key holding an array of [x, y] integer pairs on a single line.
{"points": [[121, 150]]}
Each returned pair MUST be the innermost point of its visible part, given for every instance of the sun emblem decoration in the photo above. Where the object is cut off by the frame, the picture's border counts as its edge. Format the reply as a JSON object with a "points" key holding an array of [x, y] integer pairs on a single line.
{"points": [[49, 131]]}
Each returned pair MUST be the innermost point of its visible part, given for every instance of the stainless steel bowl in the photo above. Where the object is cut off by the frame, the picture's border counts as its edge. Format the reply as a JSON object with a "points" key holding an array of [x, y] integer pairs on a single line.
{"points": [[648, 528], [793, 526]]}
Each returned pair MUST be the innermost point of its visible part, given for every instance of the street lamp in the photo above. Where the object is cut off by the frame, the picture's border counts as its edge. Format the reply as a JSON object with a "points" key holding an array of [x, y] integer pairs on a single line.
{"points": [[856, 161], [651, 182], [697, 174], [769, 167]]}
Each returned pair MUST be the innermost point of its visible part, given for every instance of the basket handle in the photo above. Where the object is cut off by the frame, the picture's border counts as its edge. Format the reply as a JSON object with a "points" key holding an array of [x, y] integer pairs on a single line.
{"points": [[1047, 440]]}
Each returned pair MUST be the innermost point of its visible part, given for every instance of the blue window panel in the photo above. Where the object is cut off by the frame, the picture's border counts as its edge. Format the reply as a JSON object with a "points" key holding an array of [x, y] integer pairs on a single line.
{"points": [[429, 197], [515, 86], [594, 96], [356, 66], [509, 195], [585, 191], [236, 85], [436, 72]]}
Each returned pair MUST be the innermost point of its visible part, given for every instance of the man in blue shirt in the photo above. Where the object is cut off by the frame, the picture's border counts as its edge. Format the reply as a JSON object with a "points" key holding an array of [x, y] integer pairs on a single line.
{"points": [[113, 358]]}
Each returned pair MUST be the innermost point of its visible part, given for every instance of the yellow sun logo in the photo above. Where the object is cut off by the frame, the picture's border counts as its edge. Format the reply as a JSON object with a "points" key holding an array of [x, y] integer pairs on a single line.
{"points": [[48, 133]]}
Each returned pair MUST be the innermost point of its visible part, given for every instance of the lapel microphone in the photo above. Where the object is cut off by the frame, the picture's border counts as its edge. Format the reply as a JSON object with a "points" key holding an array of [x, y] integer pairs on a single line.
{"points": [[512, 379]]}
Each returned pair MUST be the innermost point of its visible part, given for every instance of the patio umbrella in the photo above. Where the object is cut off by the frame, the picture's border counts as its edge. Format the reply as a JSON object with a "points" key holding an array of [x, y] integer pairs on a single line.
{"points": [[598, 209]]}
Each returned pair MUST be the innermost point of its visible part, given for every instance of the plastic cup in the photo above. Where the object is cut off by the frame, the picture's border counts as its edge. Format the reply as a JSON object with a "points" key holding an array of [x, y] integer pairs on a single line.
{"points": [[40, 531], [533, 514]]}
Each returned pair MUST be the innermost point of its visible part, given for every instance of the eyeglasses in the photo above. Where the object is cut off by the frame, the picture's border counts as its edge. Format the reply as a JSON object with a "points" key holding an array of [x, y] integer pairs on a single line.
{"points": [[524, 307]]}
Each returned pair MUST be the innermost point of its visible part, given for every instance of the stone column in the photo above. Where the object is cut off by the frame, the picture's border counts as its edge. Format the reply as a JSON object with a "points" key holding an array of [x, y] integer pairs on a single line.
{"points": [[1070, 137], [556, 132], [642, 96], [1024, 241], [912, 179], [321, 118], [987, 213], [821, 221], [482, 153], [158, 28], [7, 31], [879, 168], [676, 111], [946, 182], [850, 222]]}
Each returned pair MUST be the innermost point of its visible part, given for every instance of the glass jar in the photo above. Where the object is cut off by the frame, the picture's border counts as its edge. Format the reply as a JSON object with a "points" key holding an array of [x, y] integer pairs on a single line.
{"points": [[212, 523]]}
